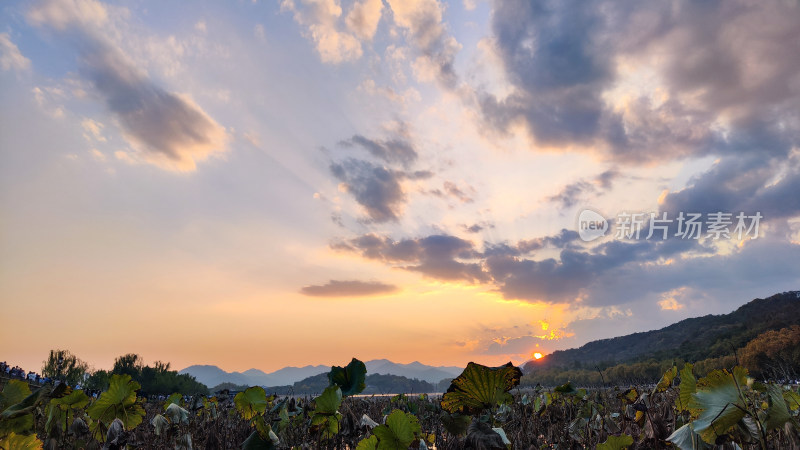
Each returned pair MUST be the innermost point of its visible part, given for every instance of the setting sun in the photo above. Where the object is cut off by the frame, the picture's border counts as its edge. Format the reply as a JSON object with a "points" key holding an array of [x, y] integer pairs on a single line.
{"points": [[537, 355]]}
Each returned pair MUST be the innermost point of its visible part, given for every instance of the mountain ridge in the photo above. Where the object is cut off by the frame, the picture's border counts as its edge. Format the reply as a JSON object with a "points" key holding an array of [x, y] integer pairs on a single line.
{"points": [[212, 375], [691, 339]]}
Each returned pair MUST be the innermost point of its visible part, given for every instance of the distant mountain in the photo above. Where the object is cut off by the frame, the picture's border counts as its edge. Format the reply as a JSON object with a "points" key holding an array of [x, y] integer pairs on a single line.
{"points": [[213, 375], [375, 384], [289, 375], [692, 339], [413, 370]]}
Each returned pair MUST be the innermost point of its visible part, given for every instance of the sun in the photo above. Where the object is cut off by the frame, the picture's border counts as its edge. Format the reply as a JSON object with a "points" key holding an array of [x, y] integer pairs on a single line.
{"points": [[537, 355]]}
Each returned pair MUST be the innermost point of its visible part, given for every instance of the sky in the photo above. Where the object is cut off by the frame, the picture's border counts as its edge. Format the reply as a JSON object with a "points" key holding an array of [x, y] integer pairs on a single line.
{"points": [[258, 184]]}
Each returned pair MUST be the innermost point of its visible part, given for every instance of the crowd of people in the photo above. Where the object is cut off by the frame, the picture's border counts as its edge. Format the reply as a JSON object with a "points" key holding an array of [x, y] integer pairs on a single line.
{"points": [[20, 374]]}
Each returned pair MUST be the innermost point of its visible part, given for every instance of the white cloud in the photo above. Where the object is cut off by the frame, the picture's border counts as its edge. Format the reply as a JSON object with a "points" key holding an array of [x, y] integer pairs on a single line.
{"points": [[93, 130], [426, 32], [98, 155], [321, 17], [364, 17], [259, 33], [333, 46], [63, 14], [10, 56]]}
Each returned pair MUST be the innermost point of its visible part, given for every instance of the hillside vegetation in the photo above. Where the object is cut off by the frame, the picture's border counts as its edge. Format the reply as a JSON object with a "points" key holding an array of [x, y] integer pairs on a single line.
{"points": [[763, 334]]}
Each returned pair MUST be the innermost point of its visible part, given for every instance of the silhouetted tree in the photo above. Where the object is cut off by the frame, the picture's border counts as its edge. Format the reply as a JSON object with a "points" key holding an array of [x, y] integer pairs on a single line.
{"points": [[62, 365]]}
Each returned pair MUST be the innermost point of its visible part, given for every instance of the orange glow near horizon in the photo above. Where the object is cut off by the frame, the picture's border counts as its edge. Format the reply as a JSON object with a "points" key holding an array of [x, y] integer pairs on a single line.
{"points": [[537, 355]]}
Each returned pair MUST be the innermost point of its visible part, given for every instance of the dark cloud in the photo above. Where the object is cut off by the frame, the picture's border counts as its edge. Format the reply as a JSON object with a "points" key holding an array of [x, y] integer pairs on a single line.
{"points": [[351, 288], [572, 194], [748, 184], [453, 190], [569, 278], [450, 189], [578, 191], [162, 124], [395, 150], [607, 178], [514, 346], [419, 175], [167, 129], [477, 227], [441, 257], [376, 188], [564, 239], [554, 56], [718, 64], [744, 274]]}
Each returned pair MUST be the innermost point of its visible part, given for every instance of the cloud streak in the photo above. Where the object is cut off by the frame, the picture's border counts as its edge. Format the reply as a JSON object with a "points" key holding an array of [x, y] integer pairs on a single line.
{"points": [[349, 288], [166, 129], [10, 56]]}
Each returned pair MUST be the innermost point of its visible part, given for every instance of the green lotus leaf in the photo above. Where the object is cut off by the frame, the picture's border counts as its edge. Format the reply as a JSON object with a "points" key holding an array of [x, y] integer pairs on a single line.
{"points": [[59, 409], [455, 424], [24, 405], [666, 381], [174, 398], [718, 403], [13, 392], [18, 404], [118, 402], [329, 401], [480, 387], [399, 431], [565, 388], [777, 411], [21, 424], [792, 399], [20, 442], [326, 424], [351, 379], [251, 402], [326, 412], [76, 399], [370, 443], [616, 443], [687, 387], [176, 414], [629, 396]]}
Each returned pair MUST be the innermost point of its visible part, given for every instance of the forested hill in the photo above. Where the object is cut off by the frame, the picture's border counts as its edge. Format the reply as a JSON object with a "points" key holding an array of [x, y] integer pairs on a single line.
{"points": [[692, 339], [376, 384]]}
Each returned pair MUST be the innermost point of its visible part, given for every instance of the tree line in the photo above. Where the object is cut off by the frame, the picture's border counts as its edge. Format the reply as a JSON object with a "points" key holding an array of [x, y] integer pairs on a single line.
{"points": [[158, 379]]}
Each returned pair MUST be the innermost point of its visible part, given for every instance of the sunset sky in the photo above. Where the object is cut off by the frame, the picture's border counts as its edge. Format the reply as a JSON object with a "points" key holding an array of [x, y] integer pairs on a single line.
{"points": [[264, 183]]}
